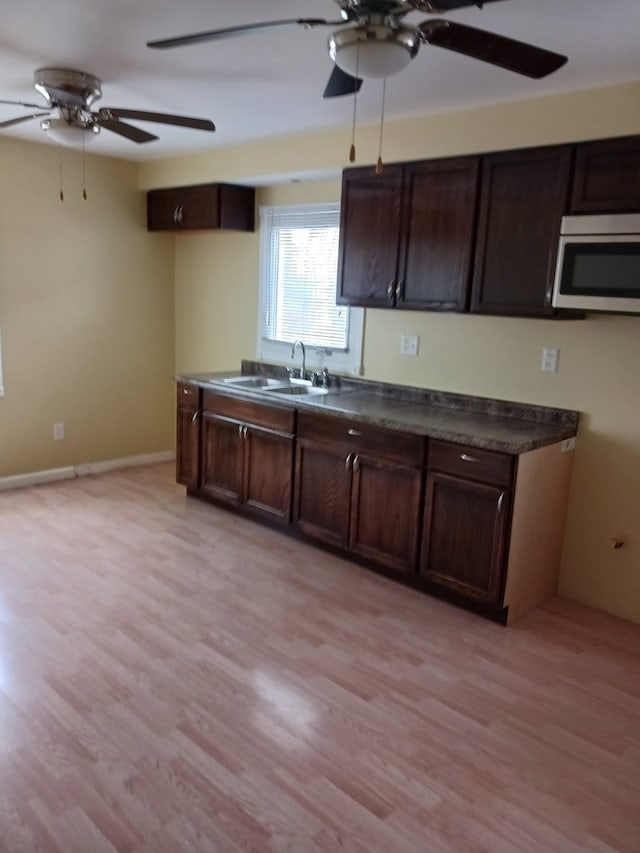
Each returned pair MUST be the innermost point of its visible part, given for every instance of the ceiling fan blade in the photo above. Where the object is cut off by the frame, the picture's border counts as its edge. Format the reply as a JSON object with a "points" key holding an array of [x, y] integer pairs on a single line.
{"points": [[241, 30], [341, 83], [437, 7], [23, 104], [127, 130], [161, 118], [19, 120], [490, 47]]}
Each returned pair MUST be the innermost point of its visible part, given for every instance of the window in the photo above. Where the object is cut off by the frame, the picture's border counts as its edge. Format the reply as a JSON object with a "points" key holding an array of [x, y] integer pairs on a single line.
{"points": [[298, 265]]}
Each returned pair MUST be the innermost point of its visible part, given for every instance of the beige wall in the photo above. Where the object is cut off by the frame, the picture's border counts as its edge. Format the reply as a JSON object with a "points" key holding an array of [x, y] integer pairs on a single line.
{"points": [[86, 313], [216, 310]]}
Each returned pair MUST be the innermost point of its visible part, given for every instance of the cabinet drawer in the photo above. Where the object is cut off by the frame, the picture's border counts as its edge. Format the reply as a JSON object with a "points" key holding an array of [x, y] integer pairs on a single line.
{"points": [[250, 412], [487, 466], [188, 395], [401, 447]]}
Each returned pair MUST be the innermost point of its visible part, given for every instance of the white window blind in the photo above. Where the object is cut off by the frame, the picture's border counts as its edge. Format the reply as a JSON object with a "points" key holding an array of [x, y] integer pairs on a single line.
{"points": [[298, 268], [301, 258]]}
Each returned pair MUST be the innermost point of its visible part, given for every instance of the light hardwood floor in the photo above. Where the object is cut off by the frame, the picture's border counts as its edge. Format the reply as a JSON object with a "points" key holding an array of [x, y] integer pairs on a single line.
{"points": [[174, 677]]}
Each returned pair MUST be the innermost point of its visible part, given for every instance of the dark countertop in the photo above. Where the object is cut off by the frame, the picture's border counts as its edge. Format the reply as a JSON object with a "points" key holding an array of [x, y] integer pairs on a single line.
{"points": [[481, 422]]}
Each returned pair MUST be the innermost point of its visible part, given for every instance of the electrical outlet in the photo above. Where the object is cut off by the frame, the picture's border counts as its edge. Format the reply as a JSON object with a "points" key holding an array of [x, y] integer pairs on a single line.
{"points": [[549, 361], [58, 432], [409, 344]]}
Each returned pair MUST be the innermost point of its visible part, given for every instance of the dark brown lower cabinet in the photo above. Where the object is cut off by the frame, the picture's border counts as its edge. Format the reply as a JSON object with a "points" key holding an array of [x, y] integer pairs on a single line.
{"points": [[247, 456], [322, 492], [466, 520], [188, 419], [359, 488], [489, 531]]}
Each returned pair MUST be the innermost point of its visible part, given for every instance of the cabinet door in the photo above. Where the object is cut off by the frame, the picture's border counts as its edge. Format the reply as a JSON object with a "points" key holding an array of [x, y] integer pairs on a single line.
{"points": [[439, 213], [385, 513], [323, 491], [268, 474], [369, 236], [464, 536], [607, 176], [523, 198], [221, 458], [201, 206], [188, 447]]}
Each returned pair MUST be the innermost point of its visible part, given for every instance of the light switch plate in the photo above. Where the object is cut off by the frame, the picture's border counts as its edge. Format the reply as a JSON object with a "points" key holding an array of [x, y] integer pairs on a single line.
{"points": [[409, 344], [549, 361]]}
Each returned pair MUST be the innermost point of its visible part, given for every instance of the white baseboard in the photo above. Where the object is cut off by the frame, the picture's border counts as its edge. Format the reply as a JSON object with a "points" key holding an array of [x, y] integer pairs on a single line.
{"points": [[35, 478]]}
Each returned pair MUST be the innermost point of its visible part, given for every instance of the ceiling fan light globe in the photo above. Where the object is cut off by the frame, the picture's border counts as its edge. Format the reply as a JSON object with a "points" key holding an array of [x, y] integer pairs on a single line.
{"points": [[67, 133], [373, 52]]}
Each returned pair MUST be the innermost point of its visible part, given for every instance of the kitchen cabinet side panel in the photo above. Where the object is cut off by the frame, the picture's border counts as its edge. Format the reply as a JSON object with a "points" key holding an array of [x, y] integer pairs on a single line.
{"points": [[537, 529]]}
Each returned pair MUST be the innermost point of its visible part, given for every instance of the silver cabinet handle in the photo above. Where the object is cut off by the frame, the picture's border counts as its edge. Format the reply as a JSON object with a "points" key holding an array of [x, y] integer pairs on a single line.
{"points": [[245, 432], [347, 462], [177, 214], [356, 463], [186, 390], [240, 428], [195, 417], [355, 432], [466, 458], [500, 503], [399, 290], [390, 289]]}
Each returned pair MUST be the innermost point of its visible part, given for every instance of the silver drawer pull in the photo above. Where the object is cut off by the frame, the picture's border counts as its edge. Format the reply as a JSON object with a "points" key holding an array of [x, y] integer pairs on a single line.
{"points": [[500, 503], [347, 462], [186, 390], [466, 458], [195, 417], [355, 432]]}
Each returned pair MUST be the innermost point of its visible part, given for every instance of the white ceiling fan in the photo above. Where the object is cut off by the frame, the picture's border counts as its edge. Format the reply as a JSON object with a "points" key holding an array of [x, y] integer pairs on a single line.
{"points": [[66, 112], [374, 40]]}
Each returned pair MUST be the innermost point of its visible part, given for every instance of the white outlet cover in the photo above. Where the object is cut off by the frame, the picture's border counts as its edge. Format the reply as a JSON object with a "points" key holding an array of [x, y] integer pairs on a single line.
{"points": [[549, 360], [409, 344]]}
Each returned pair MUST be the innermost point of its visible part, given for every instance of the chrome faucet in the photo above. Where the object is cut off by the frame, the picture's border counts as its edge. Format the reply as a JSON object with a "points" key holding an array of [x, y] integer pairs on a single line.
{"points": [[293, 353]]}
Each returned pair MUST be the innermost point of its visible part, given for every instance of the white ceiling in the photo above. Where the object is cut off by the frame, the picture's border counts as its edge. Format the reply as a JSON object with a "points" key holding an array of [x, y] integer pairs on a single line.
{"points": [[271, 83]]}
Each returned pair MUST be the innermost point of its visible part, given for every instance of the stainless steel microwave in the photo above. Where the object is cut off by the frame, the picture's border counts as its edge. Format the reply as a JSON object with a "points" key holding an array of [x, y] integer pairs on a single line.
{"points": [[598, 267]]}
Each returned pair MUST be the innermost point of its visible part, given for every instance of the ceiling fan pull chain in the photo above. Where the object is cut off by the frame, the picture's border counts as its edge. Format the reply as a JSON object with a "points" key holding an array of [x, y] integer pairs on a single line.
{"points": [[61, 194], [352, 150], [384, 95], [84, 173]]}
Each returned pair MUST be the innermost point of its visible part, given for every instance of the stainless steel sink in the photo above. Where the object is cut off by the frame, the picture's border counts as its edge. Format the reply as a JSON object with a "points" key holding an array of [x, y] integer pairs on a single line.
{"points": [[298, 390], [256, 382]]}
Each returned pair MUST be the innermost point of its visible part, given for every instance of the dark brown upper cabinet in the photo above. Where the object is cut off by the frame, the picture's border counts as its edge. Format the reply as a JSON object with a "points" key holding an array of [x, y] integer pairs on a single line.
{"points": [[436, 245], [201, 207], [607, 176], [407, 235], [370, 219], [523, 196]]}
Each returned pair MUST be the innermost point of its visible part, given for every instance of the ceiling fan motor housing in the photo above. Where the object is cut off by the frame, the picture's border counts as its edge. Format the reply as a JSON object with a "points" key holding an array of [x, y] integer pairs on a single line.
{"points": [[67, 88]]}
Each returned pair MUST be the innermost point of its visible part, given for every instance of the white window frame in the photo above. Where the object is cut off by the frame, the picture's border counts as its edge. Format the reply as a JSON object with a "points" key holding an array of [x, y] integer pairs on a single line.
{"points": [[347, 361]]}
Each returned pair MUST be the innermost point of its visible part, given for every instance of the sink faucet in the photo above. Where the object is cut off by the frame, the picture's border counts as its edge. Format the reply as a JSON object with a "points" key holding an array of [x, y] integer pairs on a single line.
{"points": [[293, 352]]}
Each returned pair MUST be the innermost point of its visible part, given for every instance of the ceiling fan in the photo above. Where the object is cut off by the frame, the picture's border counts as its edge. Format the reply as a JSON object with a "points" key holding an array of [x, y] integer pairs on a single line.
{"points": [[374, 40], [69, 95]]}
